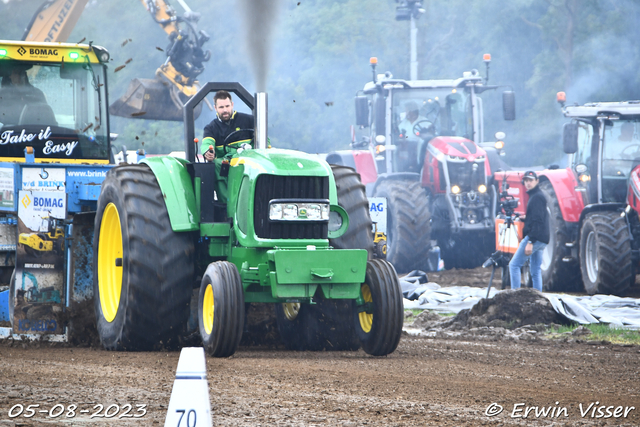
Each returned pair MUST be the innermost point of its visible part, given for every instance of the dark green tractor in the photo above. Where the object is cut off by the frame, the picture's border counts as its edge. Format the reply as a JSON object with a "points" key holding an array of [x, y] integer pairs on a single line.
{"points": [[295, 232]]}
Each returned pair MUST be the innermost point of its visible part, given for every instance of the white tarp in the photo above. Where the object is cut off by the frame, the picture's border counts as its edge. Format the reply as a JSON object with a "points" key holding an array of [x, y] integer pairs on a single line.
{"points": [[613, 310]]}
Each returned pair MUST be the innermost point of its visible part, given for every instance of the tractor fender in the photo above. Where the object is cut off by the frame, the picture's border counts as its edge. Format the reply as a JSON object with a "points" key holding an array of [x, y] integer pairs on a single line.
{"points": [[406, 176], [601, 207], [564, 183], [177, 189]]}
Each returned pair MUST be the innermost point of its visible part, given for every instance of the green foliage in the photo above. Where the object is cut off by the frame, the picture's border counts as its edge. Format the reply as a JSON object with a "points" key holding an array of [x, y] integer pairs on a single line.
{"points": [[320, 53], [600, 332]]}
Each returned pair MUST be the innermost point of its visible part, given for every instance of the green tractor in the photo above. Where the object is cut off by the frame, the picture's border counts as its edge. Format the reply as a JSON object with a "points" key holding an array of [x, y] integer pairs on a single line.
{"points": [[295, 232]]}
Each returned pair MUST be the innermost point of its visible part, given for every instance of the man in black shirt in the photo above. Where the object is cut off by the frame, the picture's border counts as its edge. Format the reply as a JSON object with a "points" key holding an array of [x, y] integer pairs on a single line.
{"points": [[535, 234], [224, 135]]}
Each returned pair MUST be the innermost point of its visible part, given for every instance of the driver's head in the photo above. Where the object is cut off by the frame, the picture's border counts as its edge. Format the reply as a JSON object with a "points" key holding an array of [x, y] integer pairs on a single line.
{"points": [[223, 104], [626, 132], [412, 111]]}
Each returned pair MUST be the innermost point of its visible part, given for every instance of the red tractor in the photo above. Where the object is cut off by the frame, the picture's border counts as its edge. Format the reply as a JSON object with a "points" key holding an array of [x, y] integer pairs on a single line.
{"points": [[593, 204], [424, 151]]}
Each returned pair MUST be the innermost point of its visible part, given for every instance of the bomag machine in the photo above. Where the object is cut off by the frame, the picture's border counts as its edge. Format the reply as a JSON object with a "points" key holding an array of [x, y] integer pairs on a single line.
{"points": [[54, 153], [50, 237], [294, 232], [436, 172]]}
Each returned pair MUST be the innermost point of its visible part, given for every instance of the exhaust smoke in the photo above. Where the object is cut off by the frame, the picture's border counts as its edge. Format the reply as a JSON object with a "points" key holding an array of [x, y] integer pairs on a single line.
{"points": [[259, 21]]}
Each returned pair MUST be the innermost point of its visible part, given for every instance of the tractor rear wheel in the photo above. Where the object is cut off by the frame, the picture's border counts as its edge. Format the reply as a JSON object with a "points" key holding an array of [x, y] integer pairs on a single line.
{"points": [[142, 269], [408, 226], [605, 254], [352, 197], [379, 326], [221, 309], [557, 275]]}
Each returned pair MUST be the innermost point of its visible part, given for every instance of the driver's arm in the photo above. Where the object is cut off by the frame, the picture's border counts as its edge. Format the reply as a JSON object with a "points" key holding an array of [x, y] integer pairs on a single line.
{"points": [[208, 141]]}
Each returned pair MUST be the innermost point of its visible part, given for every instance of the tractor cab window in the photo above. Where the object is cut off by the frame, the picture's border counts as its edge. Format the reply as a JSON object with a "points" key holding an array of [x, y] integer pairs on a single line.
{"points": [[57, 108], [419, 115], [620, 153]]}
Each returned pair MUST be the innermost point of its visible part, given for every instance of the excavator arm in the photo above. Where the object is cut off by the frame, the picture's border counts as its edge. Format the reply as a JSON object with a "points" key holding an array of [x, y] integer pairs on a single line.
{"points": [[163, 97]]}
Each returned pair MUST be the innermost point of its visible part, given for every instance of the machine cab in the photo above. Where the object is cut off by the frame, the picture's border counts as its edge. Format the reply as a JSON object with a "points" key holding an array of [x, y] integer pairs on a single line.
{"points": [[54, 100]]}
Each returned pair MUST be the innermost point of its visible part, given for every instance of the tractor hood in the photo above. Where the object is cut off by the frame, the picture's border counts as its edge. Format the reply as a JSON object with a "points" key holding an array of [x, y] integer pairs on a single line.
{"points": [[458, 147], [281, 162]]}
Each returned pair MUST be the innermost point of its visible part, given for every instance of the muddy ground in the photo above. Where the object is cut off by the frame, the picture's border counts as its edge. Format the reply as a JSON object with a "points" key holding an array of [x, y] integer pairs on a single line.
{"points": [[449, 372]]}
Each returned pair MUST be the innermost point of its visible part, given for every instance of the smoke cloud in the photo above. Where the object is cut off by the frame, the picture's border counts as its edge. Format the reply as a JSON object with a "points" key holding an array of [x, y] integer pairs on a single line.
{"points": [[259, 21]]}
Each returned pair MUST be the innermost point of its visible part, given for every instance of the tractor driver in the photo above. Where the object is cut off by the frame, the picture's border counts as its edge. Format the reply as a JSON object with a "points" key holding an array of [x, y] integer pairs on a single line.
{"points": [[415, 131], [224, 135], [16, 92]]}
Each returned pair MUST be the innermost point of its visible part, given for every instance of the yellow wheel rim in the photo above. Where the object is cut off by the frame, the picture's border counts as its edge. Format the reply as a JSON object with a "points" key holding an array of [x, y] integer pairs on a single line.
{"points": [[110, 274], [207, 309], [366, 319], [291, 310]]}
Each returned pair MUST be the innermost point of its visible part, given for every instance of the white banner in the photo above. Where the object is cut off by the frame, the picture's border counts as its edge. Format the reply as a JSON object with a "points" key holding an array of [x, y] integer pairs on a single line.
{"points": [[43, 179]]}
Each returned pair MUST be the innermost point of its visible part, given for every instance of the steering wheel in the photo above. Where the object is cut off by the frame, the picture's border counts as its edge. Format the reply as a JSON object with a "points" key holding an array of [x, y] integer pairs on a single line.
{"points": [[422, 127], [250, 133], [626, 151]]}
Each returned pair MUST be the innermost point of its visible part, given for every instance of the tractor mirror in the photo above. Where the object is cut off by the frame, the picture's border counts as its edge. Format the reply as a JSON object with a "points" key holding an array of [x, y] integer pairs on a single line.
{"points": [[509, 105], [380, 119], [362, 111], [570, 138]]}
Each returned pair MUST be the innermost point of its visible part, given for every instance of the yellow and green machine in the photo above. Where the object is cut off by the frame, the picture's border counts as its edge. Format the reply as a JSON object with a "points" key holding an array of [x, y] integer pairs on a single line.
{"points": [[295, 232]]}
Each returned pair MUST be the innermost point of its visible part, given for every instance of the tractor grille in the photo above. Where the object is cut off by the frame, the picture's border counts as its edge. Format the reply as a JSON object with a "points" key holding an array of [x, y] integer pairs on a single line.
{"points": [[269, 187], [463, 175]]}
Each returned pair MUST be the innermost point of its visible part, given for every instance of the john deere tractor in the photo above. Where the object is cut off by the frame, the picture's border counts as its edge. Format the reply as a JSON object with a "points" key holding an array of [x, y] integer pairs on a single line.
{"points": [[294, 232]]}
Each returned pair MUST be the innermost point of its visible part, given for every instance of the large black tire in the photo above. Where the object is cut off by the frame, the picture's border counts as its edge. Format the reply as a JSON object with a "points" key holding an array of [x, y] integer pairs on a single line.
{"points": [[142, 269], [605, 254], [557, 275], [408, 224], [380, 326], [352, 197], [221, 309]]}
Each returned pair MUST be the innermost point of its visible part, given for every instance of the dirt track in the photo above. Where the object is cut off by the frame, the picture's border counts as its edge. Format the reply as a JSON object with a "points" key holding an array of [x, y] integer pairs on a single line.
{"points": [[427, 381]]}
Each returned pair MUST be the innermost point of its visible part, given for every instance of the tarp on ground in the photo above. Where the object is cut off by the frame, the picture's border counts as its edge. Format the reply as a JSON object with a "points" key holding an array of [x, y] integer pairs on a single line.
{"points": [[615, 311]]}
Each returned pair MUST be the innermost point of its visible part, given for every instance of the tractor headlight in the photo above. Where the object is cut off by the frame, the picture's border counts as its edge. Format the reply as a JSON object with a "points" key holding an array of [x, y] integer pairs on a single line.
{"points": [[280, 210], [482, 188]]}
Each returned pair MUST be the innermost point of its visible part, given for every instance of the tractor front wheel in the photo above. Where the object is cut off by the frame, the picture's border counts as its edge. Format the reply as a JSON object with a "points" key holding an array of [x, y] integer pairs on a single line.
{"points": [[221, 309], [142, 269], [378, 322]]}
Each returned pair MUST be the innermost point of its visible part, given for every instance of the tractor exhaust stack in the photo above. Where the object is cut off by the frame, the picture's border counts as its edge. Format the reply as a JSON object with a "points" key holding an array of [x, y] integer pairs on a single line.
{"points": [[260, 118]]}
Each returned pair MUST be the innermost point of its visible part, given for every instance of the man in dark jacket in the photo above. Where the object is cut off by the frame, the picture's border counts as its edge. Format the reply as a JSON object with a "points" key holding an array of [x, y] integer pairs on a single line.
{"points": [[215, 145], [535, 234]]}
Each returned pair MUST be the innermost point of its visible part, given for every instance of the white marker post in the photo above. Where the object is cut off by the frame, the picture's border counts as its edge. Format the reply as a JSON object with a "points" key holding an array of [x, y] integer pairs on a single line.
{"points": [[190, 405]]}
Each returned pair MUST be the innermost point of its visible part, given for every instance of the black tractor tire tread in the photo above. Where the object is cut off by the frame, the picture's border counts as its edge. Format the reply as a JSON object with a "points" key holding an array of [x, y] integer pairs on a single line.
{"points": [[352, 196], [388, 310], [158, 264], [408, 224], [561, 276], [616, 272], [228, 322]]}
